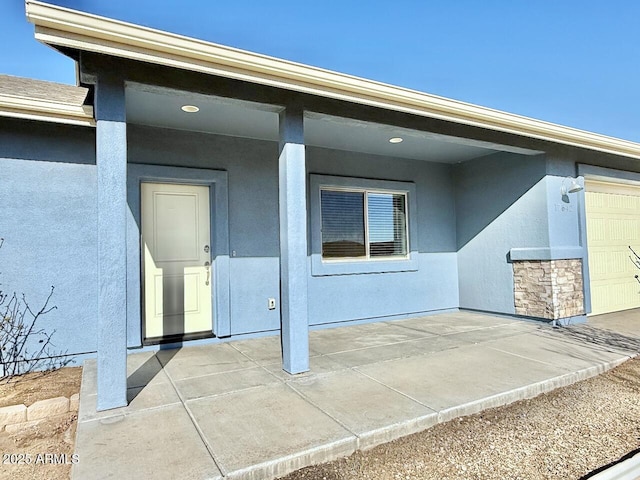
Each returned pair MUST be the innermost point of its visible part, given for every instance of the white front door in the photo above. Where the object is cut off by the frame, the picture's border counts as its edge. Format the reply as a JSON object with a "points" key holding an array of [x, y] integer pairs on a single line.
{"points": [[177, 272]]}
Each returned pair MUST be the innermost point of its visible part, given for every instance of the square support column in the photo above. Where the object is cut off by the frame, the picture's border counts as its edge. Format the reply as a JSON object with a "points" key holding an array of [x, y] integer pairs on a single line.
{"points": [[111, 162], [293, 242]]}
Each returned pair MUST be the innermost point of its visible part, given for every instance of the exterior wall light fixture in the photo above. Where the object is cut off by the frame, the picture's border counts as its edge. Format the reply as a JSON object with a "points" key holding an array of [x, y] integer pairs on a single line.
{"points": [[570, 185]]}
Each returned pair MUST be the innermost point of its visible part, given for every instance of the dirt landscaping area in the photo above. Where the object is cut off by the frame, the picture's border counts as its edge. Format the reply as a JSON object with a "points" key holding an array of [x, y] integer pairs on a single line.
{"points": [[23, 455], [567, 433]]}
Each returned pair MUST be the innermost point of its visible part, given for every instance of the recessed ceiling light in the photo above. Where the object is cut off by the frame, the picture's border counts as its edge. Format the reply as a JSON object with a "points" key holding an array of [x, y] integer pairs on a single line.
{"points": [[190, 108], [395, 140]]}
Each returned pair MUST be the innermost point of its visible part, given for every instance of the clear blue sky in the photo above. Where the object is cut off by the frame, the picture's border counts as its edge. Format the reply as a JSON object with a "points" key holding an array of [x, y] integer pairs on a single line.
{"points": [[573, 62]]}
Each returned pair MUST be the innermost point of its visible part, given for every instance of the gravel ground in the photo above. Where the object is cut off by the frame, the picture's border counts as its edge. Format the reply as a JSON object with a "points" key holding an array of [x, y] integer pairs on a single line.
{"points": [[567, 434]]}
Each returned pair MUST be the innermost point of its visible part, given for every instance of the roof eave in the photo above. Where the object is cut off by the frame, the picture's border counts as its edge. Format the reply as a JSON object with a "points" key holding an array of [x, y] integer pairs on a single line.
{"points": [[79, 30], [33, 109]]}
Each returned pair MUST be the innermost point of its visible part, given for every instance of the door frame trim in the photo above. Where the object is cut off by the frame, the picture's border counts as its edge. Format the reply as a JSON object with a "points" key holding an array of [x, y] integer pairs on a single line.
{"points": [[217, 181]]}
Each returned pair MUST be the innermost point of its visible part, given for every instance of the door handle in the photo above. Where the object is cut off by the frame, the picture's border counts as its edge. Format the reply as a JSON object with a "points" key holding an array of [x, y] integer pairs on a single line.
{"points": [[207, 265]]}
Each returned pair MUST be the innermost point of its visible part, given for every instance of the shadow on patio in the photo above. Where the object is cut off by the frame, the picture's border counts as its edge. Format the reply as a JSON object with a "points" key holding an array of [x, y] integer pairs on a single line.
{"points": [[212, 411]]}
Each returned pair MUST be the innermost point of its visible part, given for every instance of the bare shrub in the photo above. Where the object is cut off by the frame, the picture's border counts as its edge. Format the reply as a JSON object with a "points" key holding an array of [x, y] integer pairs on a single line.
{"points": [[635, 258], [24, 345]]}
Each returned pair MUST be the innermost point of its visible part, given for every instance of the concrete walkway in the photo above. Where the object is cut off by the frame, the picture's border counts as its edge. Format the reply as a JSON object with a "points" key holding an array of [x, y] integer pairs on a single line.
{"points": [[228, 410]]}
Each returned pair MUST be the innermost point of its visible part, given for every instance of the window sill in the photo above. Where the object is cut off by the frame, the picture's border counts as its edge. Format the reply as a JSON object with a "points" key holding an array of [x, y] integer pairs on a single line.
{"points": [[359, 267]]}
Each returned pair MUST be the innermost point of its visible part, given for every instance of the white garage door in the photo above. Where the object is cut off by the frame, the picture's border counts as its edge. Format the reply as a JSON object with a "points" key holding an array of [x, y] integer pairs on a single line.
{"points": [[613, 224]]}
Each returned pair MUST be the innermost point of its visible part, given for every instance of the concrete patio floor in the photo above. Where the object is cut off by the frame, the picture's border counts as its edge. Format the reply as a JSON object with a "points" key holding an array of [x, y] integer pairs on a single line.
{"points": [[228, 410]]}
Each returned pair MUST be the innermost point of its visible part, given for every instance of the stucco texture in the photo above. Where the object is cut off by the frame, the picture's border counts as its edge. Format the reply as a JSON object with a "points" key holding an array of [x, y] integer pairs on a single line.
{"points": [[48, 221]]}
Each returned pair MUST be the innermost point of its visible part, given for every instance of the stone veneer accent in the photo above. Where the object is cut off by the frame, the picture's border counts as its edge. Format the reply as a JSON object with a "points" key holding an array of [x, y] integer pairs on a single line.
{"points": [[550, 289]]}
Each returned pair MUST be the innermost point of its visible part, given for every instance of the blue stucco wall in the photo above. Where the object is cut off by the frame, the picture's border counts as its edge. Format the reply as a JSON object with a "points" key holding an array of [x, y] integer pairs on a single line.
{"points": [[501, 204], [434, 286], [253, 211], [470, 217], [254, 238], [48, 220]]}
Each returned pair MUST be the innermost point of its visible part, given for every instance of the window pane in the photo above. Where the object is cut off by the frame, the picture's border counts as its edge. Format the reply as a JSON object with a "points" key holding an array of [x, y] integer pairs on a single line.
{"points": [[342, 224], [387, 224]]}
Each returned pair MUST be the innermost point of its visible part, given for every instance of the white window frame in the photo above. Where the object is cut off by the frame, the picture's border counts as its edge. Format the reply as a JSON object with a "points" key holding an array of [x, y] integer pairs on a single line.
{"points": [[361, 265], [366, 192]]}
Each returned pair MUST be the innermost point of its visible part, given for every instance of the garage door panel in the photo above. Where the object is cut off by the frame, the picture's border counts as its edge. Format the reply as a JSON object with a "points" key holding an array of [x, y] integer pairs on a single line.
{"points": [[610, 231], [595, 201], [613, 297], [632, 230], [610, 264], [613, 224], [597, 228]]}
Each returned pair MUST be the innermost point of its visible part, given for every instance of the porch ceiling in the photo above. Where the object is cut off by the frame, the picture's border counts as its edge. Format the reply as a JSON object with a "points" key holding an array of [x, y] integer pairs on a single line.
{"points": [[162, 108]]}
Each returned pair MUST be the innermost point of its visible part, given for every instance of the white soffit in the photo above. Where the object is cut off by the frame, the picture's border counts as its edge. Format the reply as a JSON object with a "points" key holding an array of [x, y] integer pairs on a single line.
{"points": [[161, 107], [367, 137]]}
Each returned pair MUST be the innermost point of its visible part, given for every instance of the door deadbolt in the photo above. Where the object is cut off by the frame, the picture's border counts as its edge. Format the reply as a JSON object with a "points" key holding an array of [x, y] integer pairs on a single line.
{"points": [[206, 249]]}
